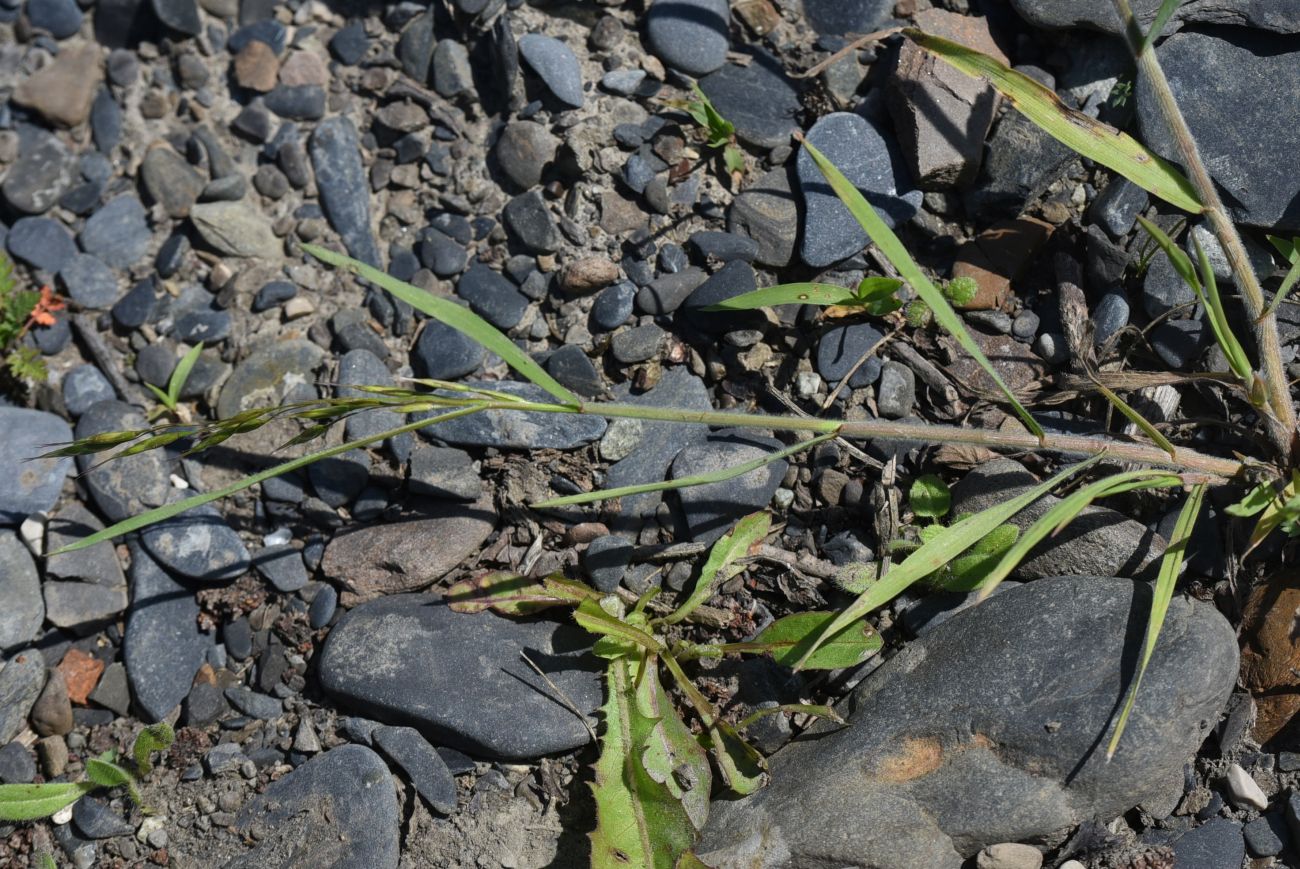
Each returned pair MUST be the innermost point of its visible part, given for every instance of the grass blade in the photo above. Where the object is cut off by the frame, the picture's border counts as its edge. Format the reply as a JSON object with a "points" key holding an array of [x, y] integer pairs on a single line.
{"points": [[1290, 250], [748, 531], [1171, 565], [1083, 135], [786, 294], [684, 482], [1162, 18], [885, 239], [461, 319], [1219, 319], [1136, 418], [787, 638], [1065, 511], [816, 710], [935, 553], [181, 373], [167, 511]]}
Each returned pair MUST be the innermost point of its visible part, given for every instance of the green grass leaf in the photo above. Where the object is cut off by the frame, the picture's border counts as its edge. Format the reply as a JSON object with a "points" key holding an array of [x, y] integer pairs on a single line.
{"points": [[181, 373], [1253, 502], [652, 779], [894, 251], [1083, 135], [513, 595], [1162, 18], [748, 532], [31, 802], [1171, 565], [717, 476], [461, 319], [1064, 511], [788, 638], [937, 552], [807, 293], [1291, 251], [1136, 418], [167, 511], [814, 709]]}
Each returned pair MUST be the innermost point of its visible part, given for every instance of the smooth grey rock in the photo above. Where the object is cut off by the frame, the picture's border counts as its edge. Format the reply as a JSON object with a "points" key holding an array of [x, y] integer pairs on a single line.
{"points": [[1098, 538], [270, 375], [1163, 289], [452, 73], [443, 472], [42, 243], [234, 228], [163, 648], [338, 809], [17, 766], [768, 212], [736, 278], [44, 171], [1020, 162], [1013, 697], [344, 192], [1179, 343], [864, 155], [29, 484], [840, 18], [253, 704], [123, 487], [839, 349], [89, 282], [282, 567], [22, 676], [1216, 844], [613, 306], [20, 590], [555, 64], [117, 232], [459, 678], [95, 820], [766, 122], [492, 296], [1244, 114], [444, 353], [666, 293], [421, 763], [573, 368], [689, 35], [1277, 15], [170, 180], [360, 367], [62, 18], [896, 392], [712, 508], [524, 150], [518, 430], [530, 221]]}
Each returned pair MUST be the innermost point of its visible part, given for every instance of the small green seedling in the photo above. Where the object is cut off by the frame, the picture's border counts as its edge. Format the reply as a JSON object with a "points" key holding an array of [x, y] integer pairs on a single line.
{"points": [[30, 802], [960, 291], [720, 133], [930, 498], [1277, 510], [169, 401]]}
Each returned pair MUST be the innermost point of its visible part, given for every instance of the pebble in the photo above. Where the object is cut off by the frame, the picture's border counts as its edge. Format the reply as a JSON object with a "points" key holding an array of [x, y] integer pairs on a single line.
{"points": [[1163, 289], [841, 19], [42, 243], [1020, 163], [270, 375], [51, 714], [117, 233], [44, 171], [459, 677], [666, 293], [587, 275], [199, 545], [113, 691], [860, 151], [1117, 206], [1110, 314], [519, 430], [443, 353], [492, 296], [297, 102], [62, 18], [613, 306], [253, 704], [530, 221], [20, 589], [1267, 835], [340, 803], [638, 344], [623, 82], [282, 567], [95, 820], [89, 282], [896, 391], [323, 606], [443, 472], [341, 181], [22, 676], [928, 760], [17, 766], [63, 91], [360, 367], [573, 368], [350, 44], [422, 765], [236, 228], [452, 73], [711, 509], [179, 15], [1244, 790], [1217, 844], [28, 484], [555, 64], [689, 35], [763, 123], [736, 278], [768, 212], [523, 152], [162, 648], [1179, 343], [841, 346], [1009, 855], [441, 255], [273, 294], [137, 307], [606, 560]]}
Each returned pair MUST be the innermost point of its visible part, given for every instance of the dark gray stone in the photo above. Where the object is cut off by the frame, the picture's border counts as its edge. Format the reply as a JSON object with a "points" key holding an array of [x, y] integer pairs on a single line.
{"points": [[304, 102], [1179, 343], [341, 180], [1117, 207], [89, 282], [555, 64], [1217, 844], [638, 344], [29, 484], [1020, 162], [1277, 15], [492, 296], [768, 212], [712, 244], [117, 233], [613, 306], [282, 567], [605, 560], [22, 676], [766, 122], [62, 18], [841, 19], [860, 151], [896, 392], [44, 171], [444, 353], [839, 349], [42, 243], [1110, 314], [95, 820], [1267, 835], [17, 766], [459, 678], [269, 375], [273, 295], [253, 704], [208, 326], [84, 386], [198, 544], [452, 73], [1163, 289], [443, 472], [163, 648], [573, 368], [20, 589], [523, 152], [350, 44], [1011, 697], [340, 803], [323, 606], [689, 35], [734, 279], [530, 221], [519, 430], [360, 367], [1099, 539], [441, 255], [666, 293], [179, 15], [127, 486], [422, 765], [711, 509]]}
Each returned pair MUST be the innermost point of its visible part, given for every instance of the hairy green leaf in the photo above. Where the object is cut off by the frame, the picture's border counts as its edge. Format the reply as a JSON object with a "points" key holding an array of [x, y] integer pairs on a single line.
{"points": [[513, 595], [30, 802], [1171, 565], [894, 251], [593, 618], [105, 772], [743, 769], [1281, 510], [934, 554], [461, 319], [1083, 135], [652, 779], [155, 737], [1253, 502], [929, 497], [816, 710], [748, 532], [787, 640]]}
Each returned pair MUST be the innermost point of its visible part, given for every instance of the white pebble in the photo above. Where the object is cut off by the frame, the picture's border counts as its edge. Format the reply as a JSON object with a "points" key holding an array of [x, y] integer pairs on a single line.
{"points": [[1244, 790], [1009, 855], [1072, 864], [278, 537], [62, 816], [33, 533], [806, 383], [179, 482], [782, 499]]}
